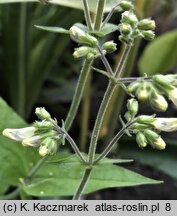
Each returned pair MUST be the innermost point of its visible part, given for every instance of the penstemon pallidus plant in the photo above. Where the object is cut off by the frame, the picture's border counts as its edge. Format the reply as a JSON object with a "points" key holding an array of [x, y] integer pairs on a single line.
{"points": [[46, 135]]}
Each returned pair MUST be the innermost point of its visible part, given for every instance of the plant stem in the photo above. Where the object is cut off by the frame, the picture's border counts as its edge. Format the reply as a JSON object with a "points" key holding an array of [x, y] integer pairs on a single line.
{"points": [[110, 14], [114, 141], [121, 65], [85, 114], [99, 14], [78, 94], [36, 168], [22, 59], [105, 61], [121, 80], [71, 141], [99, 120], [87, 14], [75, 148], [83, 183], [105, 103]]}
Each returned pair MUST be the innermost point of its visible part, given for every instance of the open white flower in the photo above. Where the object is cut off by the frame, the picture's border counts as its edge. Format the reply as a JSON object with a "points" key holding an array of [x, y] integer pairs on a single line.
{"points": [[19, 134], [165, 124]]}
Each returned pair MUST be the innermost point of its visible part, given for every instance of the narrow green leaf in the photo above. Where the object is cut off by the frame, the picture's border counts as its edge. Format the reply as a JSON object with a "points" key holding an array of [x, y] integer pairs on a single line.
{"points": [[160, 55], [53, 29], [62, 178]]}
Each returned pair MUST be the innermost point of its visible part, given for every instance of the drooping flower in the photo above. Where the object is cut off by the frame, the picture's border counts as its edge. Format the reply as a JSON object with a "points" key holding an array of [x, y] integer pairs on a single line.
{"points": [[165, 124], [20, 133]]}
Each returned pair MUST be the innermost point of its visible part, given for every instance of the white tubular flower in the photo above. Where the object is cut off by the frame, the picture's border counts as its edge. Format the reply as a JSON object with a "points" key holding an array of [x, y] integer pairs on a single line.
{"points": [[172, 94], [31, 141], [165, 124], [19, 134]]}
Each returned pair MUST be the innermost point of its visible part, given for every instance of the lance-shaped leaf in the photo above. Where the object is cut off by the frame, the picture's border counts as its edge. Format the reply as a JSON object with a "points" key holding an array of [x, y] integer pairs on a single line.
{"points": [[62, 178], [53, 29]]}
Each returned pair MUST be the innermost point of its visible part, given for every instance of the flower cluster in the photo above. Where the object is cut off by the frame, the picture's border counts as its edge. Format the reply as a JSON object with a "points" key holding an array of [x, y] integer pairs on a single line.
{"points": [[41, 134], [155, 90], [131, 28], [147, 128], [89, 42]]}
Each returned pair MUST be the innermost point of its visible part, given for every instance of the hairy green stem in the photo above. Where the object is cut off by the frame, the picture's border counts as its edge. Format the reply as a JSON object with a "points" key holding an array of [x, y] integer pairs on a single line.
{"points": [[105, 61], [85, 114], [105, 103], [78, 94], [110, 14], [22, 58], [121, 80], [99, 120], [121, 65], [87, 14], [71, 141], [113, 142], [99, 14], [82, 184]]}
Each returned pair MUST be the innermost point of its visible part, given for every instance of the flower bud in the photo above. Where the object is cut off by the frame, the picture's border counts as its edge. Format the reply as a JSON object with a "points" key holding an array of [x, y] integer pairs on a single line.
{"points": [[90, 56], [125, 39], [137, 126], [133, 87], [129, 17], [43, 150], [172, 94], [165, 124], [42, 113], [159, 144], [145, 119], [142, 93], [162, 82], [81, 52], [148, 35], [110, 46], [128, 116], [126, 5], [132, 106], [19, 134], [146, 24], [43, 125], [48, 147], [151, 135], [81, 37], [154, 139], [141, 140], [172, 79], [125, 28], [157, 101]]}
